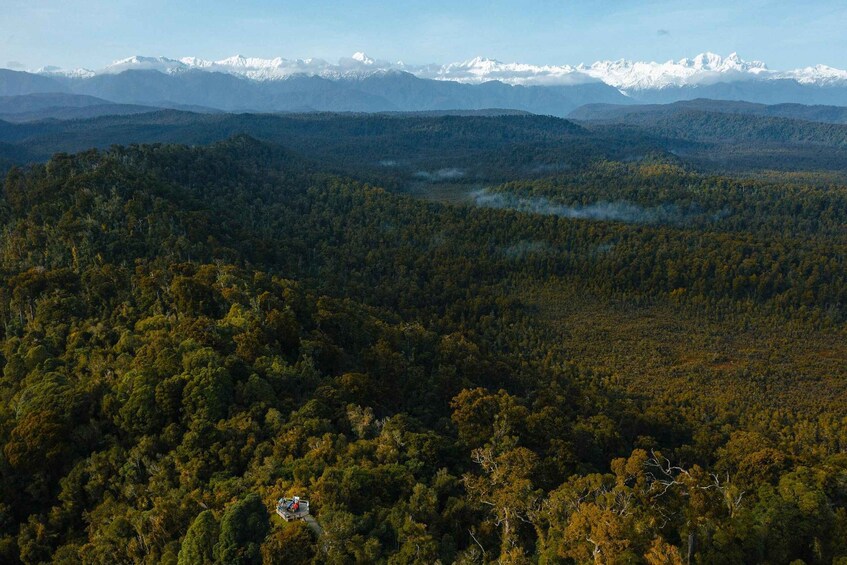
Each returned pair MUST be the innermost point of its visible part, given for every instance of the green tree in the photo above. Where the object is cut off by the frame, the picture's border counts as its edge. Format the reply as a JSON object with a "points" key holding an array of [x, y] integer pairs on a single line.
{"points": [[293, 543], [198, 546], [243, 529]]}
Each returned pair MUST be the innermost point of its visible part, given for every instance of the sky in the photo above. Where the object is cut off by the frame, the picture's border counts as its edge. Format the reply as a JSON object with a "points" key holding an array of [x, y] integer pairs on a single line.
{"points": [[93, 33]]}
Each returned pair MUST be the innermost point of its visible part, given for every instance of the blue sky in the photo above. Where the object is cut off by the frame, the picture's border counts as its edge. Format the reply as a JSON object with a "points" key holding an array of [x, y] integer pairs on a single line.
{"points": [[92, 33]]}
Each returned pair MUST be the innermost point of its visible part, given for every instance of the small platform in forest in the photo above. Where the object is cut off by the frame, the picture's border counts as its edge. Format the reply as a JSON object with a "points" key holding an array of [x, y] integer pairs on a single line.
{"points": [[282, 508]]}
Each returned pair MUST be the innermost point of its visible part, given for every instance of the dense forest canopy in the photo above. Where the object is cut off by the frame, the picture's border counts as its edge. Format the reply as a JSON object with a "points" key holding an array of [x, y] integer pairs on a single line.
{"points": [[389, 148], [191, 333]]}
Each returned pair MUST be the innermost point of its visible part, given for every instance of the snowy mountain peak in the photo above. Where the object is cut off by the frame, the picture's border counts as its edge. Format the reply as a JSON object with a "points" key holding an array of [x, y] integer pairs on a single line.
{"points": [[234, 61], [142, 63], [362, 58], [142, 60], [821, 75], [481, 61], [711, 62], [59, 72], [705, 61]]}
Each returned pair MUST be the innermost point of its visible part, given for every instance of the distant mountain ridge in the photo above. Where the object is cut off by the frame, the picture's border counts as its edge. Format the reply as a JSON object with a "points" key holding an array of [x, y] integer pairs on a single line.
{"points": [[739, 124], [377, 92], [362, 84], [64, 106]]}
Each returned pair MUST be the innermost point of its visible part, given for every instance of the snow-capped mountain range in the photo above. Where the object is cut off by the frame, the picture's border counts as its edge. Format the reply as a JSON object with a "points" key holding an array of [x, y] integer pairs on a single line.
{"points": [[360, 83], [626, 76]]}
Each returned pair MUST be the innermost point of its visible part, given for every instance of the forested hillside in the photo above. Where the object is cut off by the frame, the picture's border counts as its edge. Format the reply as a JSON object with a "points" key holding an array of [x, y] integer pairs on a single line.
{"points": [[190, 334], [811, 113], [383, 145], [393, 150]]}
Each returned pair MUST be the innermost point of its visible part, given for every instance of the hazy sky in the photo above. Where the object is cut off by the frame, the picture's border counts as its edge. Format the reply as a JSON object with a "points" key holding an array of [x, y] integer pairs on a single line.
{"points": [[92, 33]]}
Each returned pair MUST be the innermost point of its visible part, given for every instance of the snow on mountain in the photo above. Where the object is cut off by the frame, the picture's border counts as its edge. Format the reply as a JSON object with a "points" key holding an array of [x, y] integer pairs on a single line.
{"points": [[706, 68], [58, 71], [139, 63], [362, 58], [820, 75], [626, 76], [630, 76], [481, 69], [256, 68]]}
